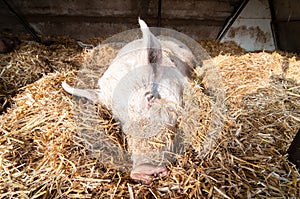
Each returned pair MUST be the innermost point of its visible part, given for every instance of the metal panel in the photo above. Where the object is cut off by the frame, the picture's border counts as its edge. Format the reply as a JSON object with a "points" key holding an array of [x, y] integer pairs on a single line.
{"points": [[252, 29]]}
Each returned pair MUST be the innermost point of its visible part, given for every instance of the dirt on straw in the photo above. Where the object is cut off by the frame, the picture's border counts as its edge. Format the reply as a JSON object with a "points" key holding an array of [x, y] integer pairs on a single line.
{"points": [[42, 156]]}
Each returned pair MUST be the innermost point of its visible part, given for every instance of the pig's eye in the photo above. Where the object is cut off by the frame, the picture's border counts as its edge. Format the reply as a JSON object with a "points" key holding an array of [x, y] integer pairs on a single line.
{"points": [[149, 96]]}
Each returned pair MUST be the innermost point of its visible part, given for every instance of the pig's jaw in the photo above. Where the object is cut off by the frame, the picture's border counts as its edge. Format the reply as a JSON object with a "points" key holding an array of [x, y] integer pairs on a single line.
{"points": [[144, 173]]}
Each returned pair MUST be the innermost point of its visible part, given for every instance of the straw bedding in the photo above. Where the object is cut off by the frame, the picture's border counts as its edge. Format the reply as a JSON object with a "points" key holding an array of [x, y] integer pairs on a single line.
{"points": [[42, 155]]}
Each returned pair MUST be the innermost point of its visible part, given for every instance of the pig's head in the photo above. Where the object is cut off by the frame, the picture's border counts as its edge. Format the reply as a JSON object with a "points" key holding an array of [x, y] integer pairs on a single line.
{"points": [[146, 102], [149, 134]]}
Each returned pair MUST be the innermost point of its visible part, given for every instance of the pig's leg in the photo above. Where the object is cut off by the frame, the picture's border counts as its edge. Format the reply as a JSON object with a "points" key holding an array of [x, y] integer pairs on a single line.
{"points": [[92, 95], [145, 172]]}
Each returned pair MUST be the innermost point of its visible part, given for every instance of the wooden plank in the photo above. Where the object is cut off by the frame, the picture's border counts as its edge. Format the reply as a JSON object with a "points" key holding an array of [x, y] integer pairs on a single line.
{"points": [[84, 19], [288, 35], [287, 10], [80, 8], [217, 10], [88, 27], [199, 9]]}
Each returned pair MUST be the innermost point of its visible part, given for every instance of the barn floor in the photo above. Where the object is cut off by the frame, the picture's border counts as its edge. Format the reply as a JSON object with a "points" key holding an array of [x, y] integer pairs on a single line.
{"points": [[41, 155]]}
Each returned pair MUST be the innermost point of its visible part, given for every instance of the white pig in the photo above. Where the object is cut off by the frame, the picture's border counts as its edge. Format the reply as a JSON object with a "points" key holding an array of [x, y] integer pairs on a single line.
{"points": [[143, 88]]}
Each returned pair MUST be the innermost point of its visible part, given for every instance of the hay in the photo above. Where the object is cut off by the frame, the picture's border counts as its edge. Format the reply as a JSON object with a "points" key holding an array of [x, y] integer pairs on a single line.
{"points": [[30, 61], [215, 48], [42, 156]]}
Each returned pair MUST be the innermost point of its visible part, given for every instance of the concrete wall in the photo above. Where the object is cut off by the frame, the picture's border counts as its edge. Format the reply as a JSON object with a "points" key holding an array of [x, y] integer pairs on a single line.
{"points": [[85, 19]]}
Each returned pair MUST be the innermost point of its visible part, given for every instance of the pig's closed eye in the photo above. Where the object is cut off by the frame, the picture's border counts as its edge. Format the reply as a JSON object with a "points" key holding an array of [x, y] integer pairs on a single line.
{"points": [[149, 96]]}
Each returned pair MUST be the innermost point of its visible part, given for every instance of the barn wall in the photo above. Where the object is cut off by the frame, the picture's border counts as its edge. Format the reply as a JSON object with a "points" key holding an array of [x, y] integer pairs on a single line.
{"points": [[287, 24], [85, 19]]}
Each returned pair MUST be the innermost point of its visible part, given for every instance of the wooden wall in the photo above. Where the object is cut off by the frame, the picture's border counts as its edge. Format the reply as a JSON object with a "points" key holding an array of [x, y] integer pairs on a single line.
{"points": [[85, 19], [287, 24]]}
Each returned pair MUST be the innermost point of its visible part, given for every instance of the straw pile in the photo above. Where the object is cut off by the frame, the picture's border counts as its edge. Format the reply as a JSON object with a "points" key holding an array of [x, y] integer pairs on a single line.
{"points": [[31, 61], [42, 156]]}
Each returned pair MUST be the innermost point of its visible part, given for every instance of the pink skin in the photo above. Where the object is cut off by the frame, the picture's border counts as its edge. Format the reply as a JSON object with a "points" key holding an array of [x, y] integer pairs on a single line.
{"points": [[144, 173], [143, 52]]}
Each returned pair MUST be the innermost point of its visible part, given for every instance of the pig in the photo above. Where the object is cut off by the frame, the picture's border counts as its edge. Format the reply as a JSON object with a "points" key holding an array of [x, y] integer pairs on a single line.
{"points": [[143, 87]]}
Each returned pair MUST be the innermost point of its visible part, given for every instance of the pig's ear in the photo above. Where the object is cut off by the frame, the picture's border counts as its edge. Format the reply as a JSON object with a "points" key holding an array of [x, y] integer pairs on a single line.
{"points": [[151, 43], [89, 94]]}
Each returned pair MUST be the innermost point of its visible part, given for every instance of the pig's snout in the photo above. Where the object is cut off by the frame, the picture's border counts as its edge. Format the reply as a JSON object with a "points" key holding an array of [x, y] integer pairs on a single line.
{"points": [[144, 173]]}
